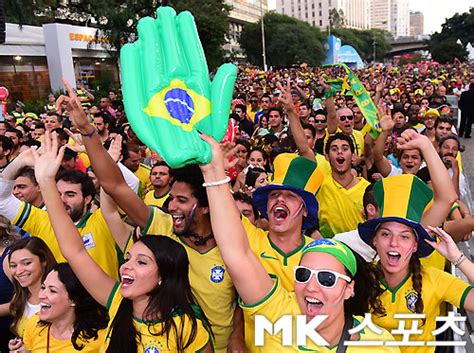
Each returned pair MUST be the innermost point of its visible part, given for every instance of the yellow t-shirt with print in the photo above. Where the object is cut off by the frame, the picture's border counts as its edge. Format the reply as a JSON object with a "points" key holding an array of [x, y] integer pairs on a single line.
{"points": [[151, 200], [437, 287], [210, 281], [275, 262], [357, 138], [340, 210], [143, 174], [95, 234], [150, 342], [35, 340], [279, 302]]}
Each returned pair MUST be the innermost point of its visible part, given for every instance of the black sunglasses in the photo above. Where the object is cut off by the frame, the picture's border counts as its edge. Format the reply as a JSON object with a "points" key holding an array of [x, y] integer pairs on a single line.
{"points": [[319, 121], [348, 117]]}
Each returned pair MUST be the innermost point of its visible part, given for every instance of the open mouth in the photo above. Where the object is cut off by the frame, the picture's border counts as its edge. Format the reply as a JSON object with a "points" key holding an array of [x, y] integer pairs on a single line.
{"points": [[127, 281], [178, 220], [393, 258], [45, 307], [313, 305], [280, 213], [340, 161]]}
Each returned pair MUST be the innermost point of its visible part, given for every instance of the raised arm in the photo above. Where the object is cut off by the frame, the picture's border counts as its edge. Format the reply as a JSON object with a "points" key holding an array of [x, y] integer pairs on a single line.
{"points": [[387, 124], [444, 194], [296, 128], [230, 234], [96, 281], [105, 168], [332, 115]]}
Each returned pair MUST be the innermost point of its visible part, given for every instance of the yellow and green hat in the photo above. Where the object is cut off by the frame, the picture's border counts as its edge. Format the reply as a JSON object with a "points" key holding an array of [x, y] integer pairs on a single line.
{"points": [[297, 174], [431, 112], [335, 248], [401, 198]]}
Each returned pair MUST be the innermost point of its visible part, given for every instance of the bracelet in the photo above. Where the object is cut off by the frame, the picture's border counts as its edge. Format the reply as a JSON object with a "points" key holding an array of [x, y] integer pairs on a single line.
{"points": [[217, 183], [90, 134], [459, 260]]}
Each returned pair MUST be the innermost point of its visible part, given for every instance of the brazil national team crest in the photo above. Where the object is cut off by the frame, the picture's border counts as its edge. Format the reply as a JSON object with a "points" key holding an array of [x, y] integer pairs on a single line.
{"points": [[217, 274], [411, 299], [151, 349]]}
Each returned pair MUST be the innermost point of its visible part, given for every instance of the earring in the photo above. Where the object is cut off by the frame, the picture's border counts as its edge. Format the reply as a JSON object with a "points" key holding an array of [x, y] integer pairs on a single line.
{"points": [[159, 282]]}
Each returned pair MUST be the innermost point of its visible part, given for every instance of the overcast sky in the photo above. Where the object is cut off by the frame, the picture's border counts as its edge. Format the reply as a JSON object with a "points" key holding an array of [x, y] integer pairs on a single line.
{"points": [[435, 11]]}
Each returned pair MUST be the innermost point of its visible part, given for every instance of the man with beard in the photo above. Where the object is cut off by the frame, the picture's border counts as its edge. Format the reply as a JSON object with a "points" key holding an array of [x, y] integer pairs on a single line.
{"points": [[342, 121], [16, 136], [132, 160], [102, 123], [6, 146], [161, 181], [77, 191]]}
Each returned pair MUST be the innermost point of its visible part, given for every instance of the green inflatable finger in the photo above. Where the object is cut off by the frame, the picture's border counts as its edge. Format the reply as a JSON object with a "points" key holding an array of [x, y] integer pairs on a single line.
{"points": [[167, 93]]}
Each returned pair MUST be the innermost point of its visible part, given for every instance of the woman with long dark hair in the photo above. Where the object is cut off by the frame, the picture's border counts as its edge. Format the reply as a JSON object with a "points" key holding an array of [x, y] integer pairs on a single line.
{"points": [[30, 260], [152, 308], [69, 320]]}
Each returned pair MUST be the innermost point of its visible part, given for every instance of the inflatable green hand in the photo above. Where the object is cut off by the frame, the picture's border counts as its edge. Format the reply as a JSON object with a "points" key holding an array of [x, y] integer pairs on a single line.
{"points": [[167, 93]]}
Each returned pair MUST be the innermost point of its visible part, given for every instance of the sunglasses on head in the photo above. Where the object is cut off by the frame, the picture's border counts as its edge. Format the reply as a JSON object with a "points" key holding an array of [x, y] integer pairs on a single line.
{"points": [[348, 117], [325, 278]]}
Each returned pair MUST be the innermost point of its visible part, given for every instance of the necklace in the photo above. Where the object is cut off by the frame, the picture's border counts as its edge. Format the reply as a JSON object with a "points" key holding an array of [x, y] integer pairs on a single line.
{"points": [[200, 240], [342, 186]]}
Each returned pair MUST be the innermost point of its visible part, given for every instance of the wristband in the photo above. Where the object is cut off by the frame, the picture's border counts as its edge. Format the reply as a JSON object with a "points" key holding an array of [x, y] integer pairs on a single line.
{"points": [[217, 183], [459, 260], [90, 134]]}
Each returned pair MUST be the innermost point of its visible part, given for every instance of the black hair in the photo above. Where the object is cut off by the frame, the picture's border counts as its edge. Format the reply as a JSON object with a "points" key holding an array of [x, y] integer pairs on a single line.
{"points": [[443, 139], [6, 143], [170, 297], [321, 112], [78, 177], [244, 143], [63, 136], [31, 143], [241, 107], [56, 115], [339, 136], [369, 198], [310, 128], [29, 173], [39, 125], [240, 196], [17, 132], [191, 175], [275, 109], [90, 316], [105, 117], [252, 176], [443, 119], [266, 95]]}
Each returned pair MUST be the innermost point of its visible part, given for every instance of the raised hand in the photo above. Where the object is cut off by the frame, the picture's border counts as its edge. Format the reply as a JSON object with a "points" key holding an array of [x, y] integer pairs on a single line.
{"points": [[167, 92], [73, 107], [386, 120], [115, 149], [446, 246], [47, 164], [410, 139]]}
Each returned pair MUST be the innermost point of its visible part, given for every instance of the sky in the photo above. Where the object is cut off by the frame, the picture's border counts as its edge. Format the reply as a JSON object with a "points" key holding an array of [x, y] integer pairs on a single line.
{"points": [[435, 11]]}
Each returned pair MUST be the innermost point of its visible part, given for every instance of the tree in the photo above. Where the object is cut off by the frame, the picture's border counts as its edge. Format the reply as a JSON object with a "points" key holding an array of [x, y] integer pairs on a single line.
{"points": [[363, 40], [288, 41], [336, 18], [443, 46], [118, 19]]}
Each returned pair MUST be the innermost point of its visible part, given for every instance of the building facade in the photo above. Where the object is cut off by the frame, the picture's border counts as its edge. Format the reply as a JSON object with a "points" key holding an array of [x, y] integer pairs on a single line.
{"points": [[417, 22], [400, 18], [380, 14], [316, 12], [243, 11]]}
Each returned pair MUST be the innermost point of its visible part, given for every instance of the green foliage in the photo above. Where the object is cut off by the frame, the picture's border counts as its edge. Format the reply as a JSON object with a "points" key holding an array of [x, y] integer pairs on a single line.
{"points": [[362, 41], [443, 46], [336, 18], [288, 41], [118, 19]]}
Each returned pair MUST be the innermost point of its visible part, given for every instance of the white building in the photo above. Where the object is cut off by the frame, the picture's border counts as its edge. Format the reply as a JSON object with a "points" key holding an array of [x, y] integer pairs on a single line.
{"points": [[316, 12], [380, 14], [400, 18]]}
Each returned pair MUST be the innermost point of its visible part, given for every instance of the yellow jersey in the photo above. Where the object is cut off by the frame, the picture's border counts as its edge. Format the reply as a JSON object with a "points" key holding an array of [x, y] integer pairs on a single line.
{"points": [[437, 287], [150, 342], [275, 262], [143, 174], [279, 302], [151, 199], [35, 340], [340, 210], [95, 234], [209, 278]]}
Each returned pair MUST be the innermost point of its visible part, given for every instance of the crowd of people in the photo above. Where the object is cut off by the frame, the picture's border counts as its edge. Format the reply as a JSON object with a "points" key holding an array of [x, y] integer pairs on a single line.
{"points": [[305, 209]]}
